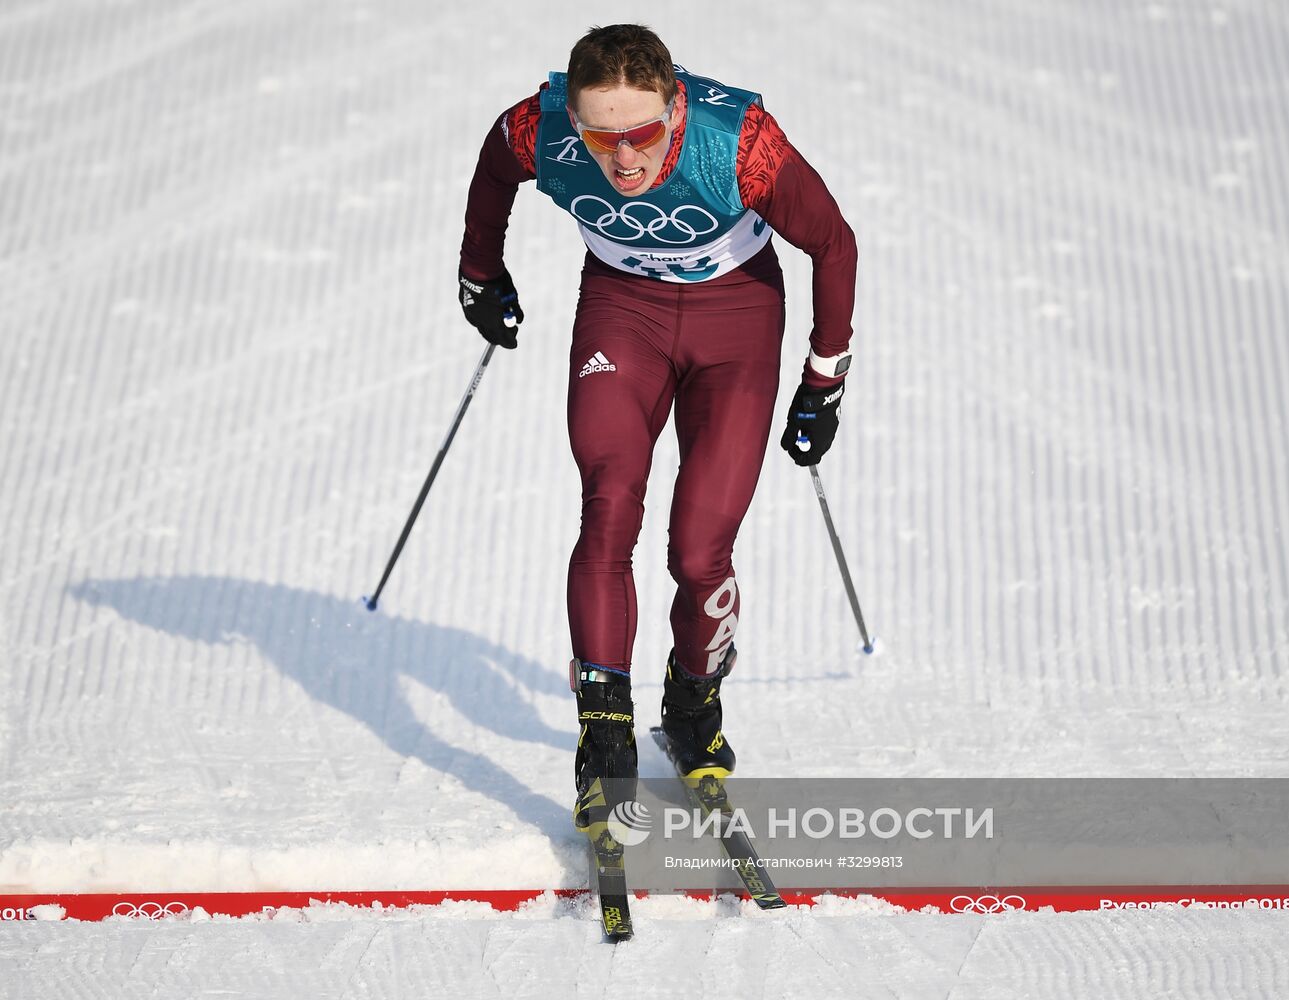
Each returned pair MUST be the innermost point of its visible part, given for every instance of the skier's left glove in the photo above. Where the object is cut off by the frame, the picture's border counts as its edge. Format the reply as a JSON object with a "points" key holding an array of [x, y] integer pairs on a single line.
{"points": [[812, 423]]}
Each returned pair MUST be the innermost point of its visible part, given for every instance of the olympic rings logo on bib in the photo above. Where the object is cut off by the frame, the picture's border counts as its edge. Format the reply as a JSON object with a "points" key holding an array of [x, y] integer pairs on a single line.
{"points": [[648, 221]]}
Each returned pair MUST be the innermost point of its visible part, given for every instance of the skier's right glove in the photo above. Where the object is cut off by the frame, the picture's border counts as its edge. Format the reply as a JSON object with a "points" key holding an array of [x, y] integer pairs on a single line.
{"points": [[492, 308]]}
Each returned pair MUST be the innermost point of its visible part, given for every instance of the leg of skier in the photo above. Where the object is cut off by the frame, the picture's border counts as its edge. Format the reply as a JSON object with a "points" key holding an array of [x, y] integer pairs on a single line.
{"points": [[621, 384], [724, 409]]}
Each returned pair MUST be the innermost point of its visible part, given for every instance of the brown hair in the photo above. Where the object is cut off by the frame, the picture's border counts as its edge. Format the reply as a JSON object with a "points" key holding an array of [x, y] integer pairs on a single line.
{"points": [[621, 53]]}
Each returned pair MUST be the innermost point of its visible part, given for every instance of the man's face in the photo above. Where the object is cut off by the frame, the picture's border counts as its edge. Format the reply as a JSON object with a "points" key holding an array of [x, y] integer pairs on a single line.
{"points": [[630, 171]]}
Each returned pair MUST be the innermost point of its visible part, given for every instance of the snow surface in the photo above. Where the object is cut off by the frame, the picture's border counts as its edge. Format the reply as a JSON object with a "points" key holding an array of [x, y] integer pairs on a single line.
{"points": [[230, 347]]}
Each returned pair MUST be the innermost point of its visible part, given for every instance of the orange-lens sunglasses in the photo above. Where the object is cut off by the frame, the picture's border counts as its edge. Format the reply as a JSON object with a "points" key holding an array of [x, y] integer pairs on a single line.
{"points": [[637, 137]]}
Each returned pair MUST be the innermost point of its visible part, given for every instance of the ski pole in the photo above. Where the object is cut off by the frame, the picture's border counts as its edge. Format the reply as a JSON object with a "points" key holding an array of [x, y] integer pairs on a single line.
{"points": [[841, 559], [434, 471]]}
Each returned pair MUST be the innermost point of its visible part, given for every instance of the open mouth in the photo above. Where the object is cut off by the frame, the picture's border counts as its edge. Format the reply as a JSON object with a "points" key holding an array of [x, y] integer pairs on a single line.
{"points": [[629, 178]]}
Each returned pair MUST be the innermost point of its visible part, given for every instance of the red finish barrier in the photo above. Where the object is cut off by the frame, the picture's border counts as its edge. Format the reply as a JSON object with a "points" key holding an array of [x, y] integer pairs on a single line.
{"points": [[980, 900]]}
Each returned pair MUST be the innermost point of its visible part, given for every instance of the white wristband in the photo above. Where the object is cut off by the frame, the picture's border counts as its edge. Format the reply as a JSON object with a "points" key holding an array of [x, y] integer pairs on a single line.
{"points": [[838, 364]]}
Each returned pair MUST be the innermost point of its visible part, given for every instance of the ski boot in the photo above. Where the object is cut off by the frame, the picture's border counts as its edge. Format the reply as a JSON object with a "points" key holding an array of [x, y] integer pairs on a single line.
{"points": [[606, 747], [691, 719]]}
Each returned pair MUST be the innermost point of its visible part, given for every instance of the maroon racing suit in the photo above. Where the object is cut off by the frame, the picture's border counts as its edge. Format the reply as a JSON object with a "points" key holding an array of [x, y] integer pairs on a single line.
{"points": [[710, 349]]}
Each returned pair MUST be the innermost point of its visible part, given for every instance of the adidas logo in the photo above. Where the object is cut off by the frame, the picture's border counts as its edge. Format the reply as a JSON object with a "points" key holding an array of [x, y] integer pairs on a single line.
{"points": [[599, 363]]}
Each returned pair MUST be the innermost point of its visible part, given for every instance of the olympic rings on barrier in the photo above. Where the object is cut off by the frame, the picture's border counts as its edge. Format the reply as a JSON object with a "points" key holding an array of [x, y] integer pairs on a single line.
{"points": [[610, 223], [149, 911], [986, 904]]}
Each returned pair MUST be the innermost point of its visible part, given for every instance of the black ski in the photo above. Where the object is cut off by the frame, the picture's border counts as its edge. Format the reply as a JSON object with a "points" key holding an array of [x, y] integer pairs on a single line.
{"points": [[709, 795], [610, 881], [608, 873]]}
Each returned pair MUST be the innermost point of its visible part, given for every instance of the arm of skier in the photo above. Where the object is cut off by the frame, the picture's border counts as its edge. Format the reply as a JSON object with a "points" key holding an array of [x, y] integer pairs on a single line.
{"points": [[777, 183], [485, 289]]}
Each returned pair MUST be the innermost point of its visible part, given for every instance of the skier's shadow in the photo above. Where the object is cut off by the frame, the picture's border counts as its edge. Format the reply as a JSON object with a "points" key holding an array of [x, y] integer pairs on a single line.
{"points": [[360, 663]]}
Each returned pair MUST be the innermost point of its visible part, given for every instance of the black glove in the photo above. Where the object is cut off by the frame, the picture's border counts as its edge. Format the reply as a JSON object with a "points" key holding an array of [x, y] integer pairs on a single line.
{"points": [[492, 308], [812, 423]]}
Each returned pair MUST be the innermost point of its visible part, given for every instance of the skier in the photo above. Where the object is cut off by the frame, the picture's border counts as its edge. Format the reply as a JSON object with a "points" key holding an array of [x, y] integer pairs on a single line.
{"points": [[677, 183]]}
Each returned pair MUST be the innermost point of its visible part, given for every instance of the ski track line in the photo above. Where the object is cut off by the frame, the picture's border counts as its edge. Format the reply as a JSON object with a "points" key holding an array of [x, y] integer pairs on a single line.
{"points": [[151, 39], [1132, 438], [957, 975], [217, 213], [1074, 22], [243, 436], [1059, 430], [240, 360], [1068, 433], [307, 331], [1000, 117], [210, 458], [219, 117], [266, 419], [352, 979], [1186, 194]]}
